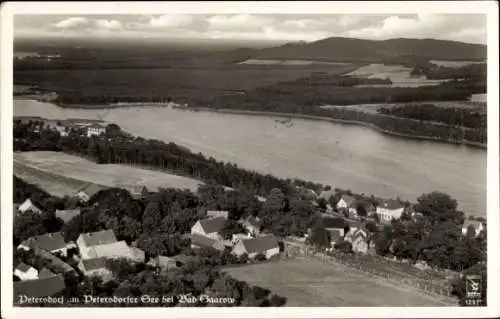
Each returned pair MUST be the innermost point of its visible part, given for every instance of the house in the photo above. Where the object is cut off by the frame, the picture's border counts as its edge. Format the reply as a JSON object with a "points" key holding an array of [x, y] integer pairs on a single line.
{"points": [[95, 129], [266, 245], [97, 238], [88, 191], [217, 213], [477, 225], [252, 225], [136, 191], [209, 227], [165, 263], [41, 287], [237, 237], [45, 272], [389, 209], [201, 241], [359, 239], [55, 263], [335, 224], [94, 267], [67, 214], [28, 206], [348, 203], [51, 242], [25, 272], [118, 249]]}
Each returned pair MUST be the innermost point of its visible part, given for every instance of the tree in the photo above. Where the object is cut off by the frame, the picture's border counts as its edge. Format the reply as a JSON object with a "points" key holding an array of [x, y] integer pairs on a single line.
{"points": [[319, 236], [27, 225], [230, 228], [438, 206], [151, 218]]}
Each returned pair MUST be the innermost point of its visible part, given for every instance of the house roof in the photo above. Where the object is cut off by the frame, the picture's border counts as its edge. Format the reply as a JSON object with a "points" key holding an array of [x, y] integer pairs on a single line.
{"points": [[41, 287], [49, 241], [260, 244], [350, 200], [23, 267], [26, 205], [137, 254], [112, 250], [162, 261], [202, 241], [99, 238], [93, 264], [182, 259], [474, 223], [91, 189], [329, 222], [390, 204], [45, 272], [213, 225], [67, 214], [54, 260], [218, 213]]}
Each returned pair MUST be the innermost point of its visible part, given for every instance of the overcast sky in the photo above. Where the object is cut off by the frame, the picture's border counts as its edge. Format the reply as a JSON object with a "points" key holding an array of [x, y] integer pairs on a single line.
{"points": [[460, 27]]}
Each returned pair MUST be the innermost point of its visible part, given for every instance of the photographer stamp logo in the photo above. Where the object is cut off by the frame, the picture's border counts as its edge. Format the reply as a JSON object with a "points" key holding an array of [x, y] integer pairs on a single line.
{"points": [[473, 287]]}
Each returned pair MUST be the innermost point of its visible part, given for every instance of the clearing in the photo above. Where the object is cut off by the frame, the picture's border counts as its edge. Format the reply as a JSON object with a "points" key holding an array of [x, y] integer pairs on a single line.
{"points": [[62, 174], [312, 283]]}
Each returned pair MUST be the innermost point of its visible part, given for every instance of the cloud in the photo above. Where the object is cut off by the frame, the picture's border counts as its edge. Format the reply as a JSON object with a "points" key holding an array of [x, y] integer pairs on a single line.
{"points": [[239, 22], [108, 24], [71, 23], [287, 27]]}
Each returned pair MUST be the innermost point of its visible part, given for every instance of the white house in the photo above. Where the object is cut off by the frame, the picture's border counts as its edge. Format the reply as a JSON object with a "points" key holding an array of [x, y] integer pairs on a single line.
{"points": [[349, 203], [51, 242], [266, 245], [28, 206], [88, 240], [85, 193], [25, 272], [95, 129], [477, 225], [389, 209], [209, 227]]}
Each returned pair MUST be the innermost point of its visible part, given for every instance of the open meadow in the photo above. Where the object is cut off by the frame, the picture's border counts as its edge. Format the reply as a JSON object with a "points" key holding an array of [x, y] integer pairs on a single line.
{"points": [[62, 174], [312, 283]]}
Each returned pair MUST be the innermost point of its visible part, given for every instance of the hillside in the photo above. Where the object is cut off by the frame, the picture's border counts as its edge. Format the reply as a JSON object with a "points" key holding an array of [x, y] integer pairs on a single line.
{"points": [[358, 50]]}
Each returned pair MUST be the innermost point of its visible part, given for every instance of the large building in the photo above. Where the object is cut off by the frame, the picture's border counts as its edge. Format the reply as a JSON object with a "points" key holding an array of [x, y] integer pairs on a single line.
{"points": [[50, 242], [209, 227], [388, 210], [267, 245]]}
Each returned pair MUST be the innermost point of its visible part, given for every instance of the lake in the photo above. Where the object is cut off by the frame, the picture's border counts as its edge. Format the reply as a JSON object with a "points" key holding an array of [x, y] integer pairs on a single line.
{"points": [[346, 156]]}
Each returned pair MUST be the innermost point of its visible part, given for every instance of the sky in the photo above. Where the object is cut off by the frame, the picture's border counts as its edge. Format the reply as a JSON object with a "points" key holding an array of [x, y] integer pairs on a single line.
{"points": [[287, 27]]}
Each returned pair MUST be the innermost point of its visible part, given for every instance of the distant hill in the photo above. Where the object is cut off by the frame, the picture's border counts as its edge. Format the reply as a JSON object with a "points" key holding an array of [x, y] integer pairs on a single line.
{"points": [[358, 50]]}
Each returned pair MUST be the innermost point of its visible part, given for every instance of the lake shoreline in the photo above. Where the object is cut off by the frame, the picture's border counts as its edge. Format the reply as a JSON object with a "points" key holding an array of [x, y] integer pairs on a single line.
{"points": [[278, 114]]}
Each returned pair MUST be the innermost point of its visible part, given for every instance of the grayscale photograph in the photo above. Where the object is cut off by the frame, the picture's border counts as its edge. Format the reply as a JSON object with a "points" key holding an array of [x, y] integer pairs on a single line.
{"points": [[249, 160]]}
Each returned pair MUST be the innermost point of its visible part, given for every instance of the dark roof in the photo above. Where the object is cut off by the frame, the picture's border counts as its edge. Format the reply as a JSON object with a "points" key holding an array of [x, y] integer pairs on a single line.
{"points": [[41, 287], [390, 204], [183, 259], [49, 242], [213, 225], [23, 267], [350, 200], [202, 241], [99, 238], [55, 262], [68, 214], [94, 263], [91, 189], [45, 272], [334, 222], [260, 244]]}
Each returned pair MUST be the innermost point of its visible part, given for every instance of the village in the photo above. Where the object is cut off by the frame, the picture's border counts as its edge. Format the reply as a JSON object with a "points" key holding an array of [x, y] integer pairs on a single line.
{"points": [[350, 223]]}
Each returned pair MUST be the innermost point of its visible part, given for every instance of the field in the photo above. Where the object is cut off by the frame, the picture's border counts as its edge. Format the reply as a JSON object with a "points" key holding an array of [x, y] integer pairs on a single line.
{"points": [[311, 283], [62, 174]]}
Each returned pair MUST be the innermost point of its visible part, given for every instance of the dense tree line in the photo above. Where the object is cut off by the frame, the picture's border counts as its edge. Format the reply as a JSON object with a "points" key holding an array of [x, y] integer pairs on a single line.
{"points": [[447, 115], [476, 71]]}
